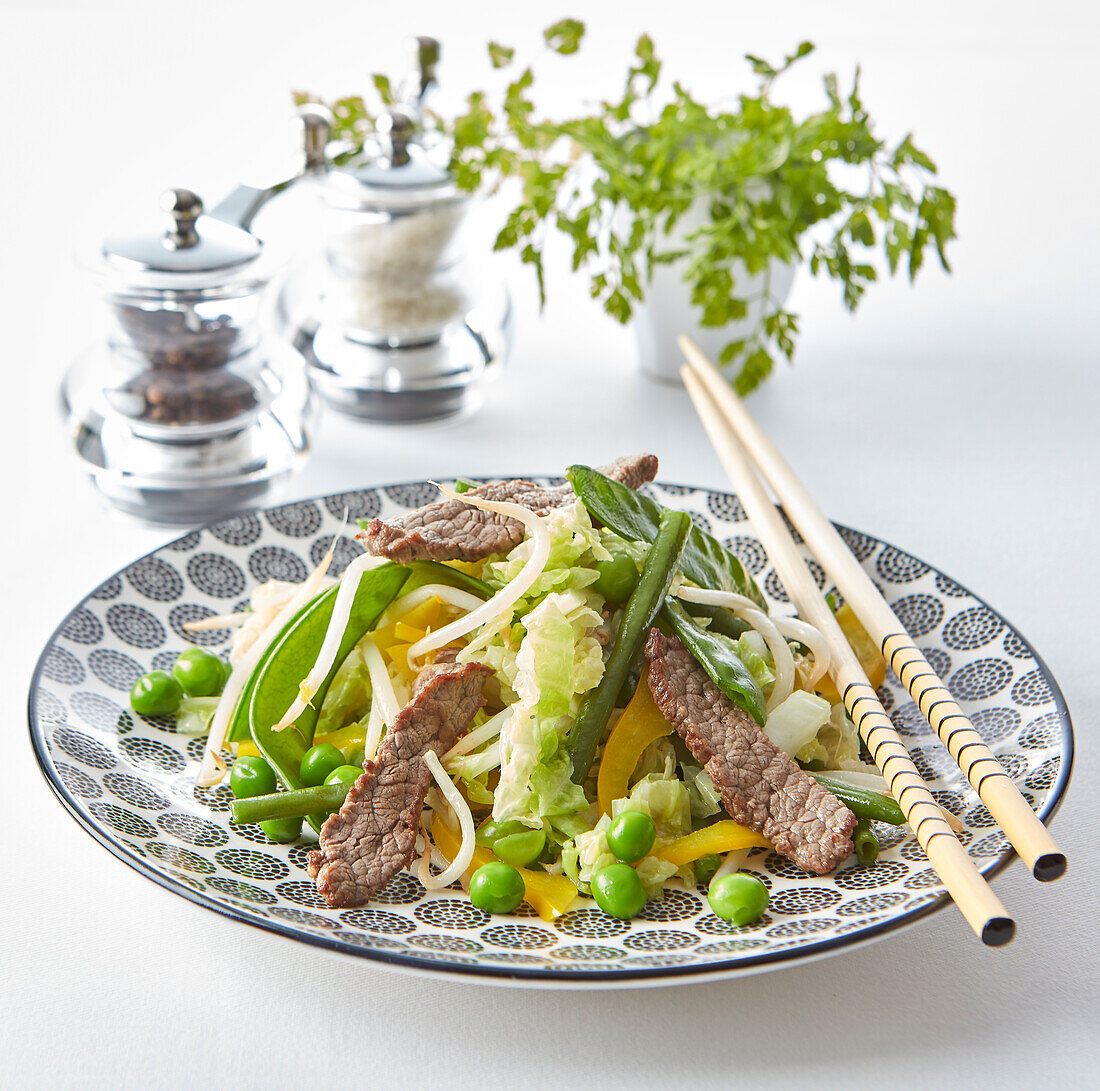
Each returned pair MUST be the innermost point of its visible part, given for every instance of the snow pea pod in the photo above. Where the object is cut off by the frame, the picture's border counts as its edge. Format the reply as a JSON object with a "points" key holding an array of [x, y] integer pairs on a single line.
{"points": [[239, 730], [705, 560], [718, 659], [645, 600], [289, 661], [436, 572]]}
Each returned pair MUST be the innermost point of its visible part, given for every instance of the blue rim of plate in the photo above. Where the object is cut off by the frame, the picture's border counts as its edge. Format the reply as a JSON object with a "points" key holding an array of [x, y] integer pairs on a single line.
{"points": [[503, 975]]}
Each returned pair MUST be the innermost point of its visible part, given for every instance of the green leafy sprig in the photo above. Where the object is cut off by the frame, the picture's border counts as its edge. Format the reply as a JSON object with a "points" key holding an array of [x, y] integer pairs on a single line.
{"points": [[823, 189]]}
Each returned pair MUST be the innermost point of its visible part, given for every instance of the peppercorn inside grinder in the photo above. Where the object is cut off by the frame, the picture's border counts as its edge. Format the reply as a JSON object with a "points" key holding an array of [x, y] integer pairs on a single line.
{"points": [[395, 319], [186, 410]]}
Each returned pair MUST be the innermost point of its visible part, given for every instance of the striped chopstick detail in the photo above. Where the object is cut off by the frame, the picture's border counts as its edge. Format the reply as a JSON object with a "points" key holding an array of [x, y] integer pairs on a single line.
{"points": [[997, 791]]}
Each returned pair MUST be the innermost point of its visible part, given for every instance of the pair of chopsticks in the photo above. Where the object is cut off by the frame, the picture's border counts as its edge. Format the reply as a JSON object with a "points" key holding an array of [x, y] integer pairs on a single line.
{"points": [[744, 449]]}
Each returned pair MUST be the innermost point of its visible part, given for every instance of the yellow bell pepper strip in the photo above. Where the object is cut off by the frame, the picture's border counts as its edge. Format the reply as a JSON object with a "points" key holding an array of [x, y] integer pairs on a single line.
{"points": [[723, 836], [346, 736], [868, 654], [640, 724], [548, 895]]}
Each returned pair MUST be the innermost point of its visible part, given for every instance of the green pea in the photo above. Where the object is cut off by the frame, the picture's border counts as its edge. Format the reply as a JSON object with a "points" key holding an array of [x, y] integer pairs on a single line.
{"points": [[520, 849], [156, 694], [344, 774], [252, 776], [631, 836], [618, 891], [356, 754], [282, 830], [317, 762], [738, 898], [496, 888], [617, 577], [491, 831], [200, 673], [706, 866]]}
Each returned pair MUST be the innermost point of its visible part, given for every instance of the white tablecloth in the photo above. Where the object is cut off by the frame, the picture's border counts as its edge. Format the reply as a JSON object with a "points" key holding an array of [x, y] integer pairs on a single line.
{"points": [[957, 419]]}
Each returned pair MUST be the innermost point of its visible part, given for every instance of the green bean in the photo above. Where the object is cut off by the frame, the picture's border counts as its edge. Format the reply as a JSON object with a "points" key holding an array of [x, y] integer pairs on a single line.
{"points": [[863, 804], [645, 600], [865, 841], [300, 803]]}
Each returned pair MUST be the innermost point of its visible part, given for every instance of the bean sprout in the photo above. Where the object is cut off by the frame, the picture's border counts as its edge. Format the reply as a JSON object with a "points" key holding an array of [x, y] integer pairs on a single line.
{"points": [[341, 615], [745, 608], [473, 739], [384, 705], [461, 808]]}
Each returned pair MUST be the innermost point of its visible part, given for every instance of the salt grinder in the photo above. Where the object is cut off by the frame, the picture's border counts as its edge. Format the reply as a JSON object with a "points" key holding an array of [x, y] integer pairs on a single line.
{"points": [[396, 321]]}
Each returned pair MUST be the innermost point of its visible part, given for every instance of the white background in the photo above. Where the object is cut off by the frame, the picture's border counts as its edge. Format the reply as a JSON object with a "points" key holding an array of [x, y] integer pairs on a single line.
{"points": [[957, 419]]}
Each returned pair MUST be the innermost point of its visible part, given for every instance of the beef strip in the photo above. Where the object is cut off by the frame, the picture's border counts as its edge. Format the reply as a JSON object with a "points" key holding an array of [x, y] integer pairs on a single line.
{"points": [[373, 835], [444, 661], [450, 530], [761, 787]]}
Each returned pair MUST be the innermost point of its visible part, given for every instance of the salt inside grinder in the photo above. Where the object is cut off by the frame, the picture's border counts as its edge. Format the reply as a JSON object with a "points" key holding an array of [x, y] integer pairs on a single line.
{"points": [[187, 410], [396, 317]]}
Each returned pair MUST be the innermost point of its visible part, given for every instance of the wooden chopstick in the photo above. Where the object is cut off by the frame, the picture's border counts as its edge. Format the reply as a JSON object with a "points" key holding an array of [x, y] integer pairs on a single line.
{"points": [[995, 788], [979, 905]]}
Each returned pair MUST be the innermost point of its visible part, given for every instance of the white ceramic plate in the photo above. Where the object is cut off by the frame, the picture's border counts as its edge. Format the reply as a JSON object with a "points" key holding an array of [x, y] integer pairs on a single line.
{"points": [[131, 782]]}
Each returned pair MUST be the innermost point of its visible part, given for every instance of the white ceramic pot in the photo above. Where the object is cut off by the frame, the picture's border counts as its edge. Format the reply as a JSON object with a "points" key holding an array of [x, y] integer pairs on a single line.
{"points": [[668, 312]]}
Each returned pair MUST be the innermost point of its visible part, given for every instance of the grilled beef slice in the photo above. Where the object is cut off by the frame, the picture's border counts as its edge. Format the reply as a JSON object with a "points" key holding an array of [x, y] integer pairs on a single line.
{"points": [[451, 530], [761, 787], [373, 835]]}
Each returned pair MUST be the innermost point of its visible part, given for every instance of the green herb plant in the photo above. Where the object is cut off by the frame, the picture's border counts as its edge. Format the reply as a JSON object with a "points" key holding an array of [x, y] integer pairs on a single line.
{"points": [[822, 189]]}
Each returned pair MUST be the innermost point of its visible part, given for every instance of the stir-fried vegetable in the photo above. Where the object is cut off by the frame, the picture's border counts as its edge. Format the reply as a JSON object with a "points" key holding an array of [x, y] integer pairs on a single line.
{"points": [[641, 608], [549, 895], [633, 515], [718, 658], [295, 803], [864, 804], [277, 682], [640, 724], [866, 841], [312, 704], [722, 836]]}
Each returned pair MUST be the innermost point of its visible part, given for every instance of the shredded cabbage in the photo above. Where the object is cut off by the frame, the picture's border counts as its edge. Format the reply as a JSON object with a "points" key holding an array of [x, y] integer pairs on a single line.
{"points": [[194, 715], [836, 744], [575, 546], [702, 794], [796, 722], [349, 696], [553, 666], [753, 651]]}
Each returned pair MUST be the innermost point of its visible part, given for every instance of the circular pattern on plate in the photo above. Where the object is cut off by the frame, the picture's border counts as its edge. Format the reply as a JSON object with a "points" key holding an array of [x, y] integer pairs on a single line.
{"points": [[216, 575], [131, 780], [276, 563]]}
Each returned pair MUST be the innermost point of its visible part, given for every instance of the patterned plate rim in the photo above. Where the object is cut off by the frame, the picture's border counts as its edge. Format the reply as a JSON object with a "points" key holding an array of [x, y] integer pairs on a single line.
{"points": [[501, 975]]}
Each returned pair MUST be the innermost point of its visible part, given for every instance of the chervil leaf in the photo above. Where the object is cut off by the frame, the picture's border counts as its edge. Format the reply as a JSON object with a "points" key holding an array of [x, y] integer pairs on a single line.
{"points": [[564, 36], [500, 55], [760, 184]]}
